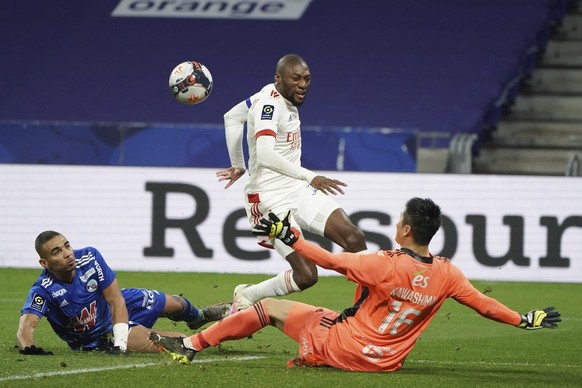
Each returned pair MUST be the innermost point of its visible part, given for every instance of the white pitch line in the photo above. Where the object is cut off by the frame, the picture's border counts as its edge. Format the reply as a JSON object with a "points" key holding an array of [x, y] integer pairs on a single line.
{"points": [[117, 367], [247, 358]]}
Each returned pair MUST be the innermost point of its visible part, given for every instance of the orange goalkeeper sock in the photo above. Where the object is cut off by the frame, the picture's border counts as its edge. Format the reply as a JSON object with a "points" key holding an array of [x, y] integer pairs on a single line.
{"points": [[237, 326]]}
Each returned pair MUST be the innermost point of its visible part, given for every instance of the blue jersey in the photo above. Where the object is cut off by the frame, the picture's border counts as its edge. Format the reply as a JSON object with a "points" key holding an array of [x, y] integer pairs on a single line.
{"points": [[77, 311]]}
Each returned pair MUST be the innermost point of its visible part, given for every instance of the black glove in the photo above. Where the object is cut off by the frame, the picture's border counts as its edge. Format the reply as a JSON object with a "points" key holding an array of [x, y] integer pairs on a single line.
{"points": [[34, 350], [275, 228], [539, 319]]}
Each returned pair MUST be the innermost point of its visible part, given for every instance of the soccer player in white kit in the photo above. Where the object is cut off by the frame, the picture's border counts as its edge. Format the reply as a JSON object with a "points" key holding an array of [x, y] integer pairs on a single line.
{"points": [[278, 183]]}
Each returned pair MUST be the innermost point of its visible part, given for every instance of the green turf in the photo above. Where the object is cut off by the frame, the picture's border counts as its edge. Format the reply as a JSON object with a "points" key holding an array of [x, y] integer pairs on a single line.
{"points": [[460, 348]]}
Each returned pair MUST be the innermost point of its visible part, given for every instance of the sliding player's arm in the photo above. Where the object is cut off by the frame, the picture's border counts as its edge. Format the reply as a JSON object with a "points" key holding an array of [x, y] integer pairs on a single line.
{"points": [[119, 315], [25, 335]]}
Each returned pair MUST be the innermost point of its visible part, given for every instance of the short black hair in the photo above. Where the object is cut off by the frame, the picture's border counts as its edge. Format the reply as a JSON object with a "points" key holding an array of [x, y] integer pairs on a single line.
{"points": [[287, 61], [42, 238], [424, 218]]}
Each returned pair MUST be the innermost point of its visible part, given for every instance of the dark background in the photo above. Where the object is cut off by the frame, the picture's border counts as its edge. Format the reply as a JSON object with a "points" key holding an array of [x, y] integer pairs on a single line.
{"points": [[414, 65]]}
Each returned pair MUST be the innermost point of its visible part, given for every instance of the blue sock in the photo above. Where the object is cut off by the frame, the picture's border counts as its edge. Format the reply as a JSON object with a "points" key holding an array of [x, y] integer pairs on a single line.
{"points": [[189, 314]]}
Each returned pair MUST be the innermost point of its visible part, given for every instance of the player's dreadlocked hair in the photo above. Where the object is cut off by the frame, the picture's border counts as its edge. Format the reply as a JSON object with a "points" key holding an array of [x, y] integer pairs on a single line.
{"points": [[42, 238], [424, 218]]}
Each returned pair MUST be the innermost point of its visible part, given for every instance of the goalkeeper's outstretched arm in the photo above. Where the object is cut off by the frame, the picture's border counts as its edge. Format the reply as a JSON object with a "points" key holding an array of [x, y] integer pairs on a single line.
{"points": [[466, 293], [547, 318]]}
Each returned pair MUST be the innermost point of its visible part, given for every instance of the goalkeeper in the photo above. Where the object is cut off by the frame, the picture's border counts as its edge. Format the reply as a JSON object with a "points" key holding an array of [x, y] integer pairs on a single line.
{"points": [[404, 288]]}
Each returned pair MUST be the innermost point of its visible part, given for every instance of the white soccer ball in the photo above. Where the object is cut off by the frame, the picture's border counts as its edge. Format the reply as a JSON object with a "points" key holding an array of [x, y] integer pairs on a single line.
{"points": [[191, 82]]}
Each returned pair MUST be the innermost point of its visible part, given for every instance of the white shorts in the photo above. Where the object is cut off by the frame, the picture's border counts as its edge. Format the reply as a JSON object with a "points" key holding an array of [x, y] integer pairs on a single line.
{"points": [[309, 207]]}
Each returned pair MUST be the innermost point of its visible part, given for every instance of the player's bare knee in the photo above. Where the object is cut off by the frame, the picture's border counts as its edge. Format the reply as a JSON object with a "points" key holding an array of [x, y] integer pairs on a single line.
{"points": [[305, 280], [355, 241]]}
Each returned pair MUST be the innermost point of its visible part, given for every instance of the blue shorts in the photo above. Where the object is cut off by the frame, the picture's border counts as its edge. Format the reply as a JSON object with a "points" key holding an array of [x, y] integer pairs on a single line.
{"points": [[143, 306]]}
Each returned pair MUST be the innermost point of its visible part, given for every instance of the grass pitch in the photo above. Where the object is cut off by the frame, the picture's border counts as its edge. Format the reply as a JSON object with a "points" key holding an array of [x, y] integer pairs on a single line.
{"points": [[460, 348]]}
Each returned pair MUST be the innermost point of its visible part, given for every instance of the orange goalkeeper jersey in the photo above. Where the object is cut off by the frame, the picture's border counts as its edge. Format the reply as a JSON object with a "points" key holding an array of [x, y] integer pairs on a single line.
{"points": [[404, 295]]}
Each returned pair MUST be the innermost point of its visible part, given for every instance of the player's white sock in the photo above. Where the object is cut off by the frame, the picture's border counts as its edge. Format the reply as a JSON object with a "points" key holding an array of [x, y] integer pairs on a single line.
{"points": [[188, 343], [282, 284]]}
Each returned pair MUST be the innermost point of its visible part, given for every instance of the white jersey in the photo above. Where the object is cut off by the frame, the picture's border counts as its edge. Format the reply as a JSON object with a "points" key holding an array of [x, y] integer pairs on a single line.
{"points": [[270, 114], [277, 182]]}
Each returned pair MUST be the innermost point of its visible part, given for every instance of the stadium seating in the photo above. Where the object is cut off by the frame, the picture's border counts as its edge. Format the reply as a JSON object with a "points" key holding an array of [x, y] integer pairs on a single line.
{"points": [[383, 72]]}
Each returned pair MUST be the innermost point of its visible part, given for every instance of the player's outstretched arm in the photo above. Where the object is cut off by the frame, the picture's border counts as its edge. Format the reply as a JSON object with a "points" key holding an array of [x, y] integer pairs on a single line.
{"points": [[25, 336], [230, 174], [540, 319], [234, 121], [276, 228], [328, 185], [267, 157], [282, 230], [119, 316]]}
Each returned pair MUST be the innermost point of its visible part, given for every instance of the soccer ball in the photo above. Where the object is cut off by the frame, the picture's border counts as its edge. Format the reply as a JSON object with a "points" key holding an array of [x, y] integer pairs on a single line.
{"points": [[190, 82]]}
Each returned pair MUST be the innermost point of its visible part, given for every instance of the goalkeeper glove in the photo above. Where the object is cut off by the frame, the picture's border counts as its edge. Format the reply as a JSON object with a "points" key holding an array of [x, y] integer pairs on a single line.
{"points": [[34, 350], [539, 319], [275, 228]]}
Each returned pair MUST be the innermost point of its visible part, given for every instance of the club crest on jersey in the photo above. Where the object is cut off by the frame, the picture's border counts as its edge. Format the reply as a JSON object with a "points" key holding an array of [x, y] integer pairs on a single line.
{"points": [[37, 302], [267, 113], [92, 285]]}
